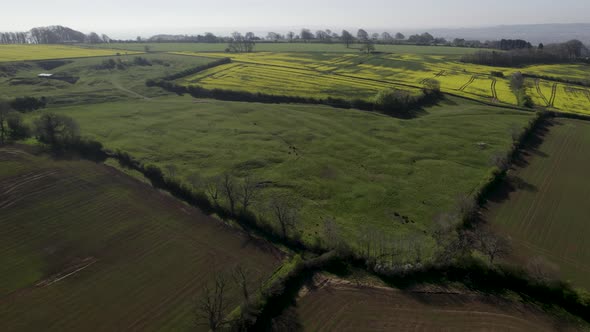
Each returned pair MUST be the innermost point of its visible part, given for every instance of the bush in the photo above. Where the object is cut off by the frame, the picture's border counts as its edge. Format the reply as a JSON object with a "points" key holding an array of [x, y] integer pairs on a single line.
{"points": [[28, 104], [17, 128], [497, 74]]}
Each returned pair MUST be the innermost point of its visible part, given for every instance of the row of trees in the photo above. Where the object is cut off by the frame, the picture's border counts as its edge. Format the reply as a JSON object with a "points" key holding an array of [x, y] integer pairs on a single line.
{"points": [[573, 50], [52, 35]]}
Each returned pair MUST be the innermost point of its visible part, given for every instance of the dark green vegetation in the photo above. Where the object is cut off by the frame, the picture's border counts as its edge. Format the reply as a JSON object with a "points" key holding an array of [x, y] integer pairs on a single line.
{"points": [[85, 247], [544, 204]]}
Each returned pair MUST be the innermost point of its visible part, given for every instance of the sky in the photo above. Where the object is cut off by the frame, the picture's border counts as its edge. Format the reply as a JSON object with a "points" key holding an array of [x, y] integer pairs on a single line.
{"points": [[125, 18]]}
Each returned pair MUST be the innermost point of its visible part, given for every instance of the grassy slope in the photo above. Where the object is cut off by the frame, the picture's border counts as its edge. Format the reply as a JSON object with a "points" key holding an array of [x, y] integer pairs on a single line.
{"points": [[345, 307], [44, 52], [358, 167], [94, 86], [549, 216], [152, 255]]}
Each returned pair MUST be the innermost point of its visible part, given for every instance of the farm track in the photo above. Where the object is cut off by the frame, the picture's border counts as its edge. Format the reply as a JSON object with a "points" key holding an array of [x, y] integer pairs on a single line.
{"points": [[464, 86], [553, 94], [537, 85], [439, 74], [494, 92]]}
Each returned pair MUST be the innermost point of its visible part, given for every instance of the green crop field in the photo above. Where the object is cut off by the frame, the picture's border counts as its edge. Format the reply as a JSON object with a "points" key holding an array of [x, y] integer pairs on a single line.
{"points": [[361, 168], [93, 85], [547, 214], [342, 306], [85, 247], [46, 52]]}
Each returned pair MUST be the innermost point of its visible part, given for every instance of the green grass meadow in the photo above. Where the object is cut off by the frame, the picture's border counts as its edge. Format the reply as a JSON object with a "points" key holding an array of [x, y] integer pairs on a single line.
{"points": [[363, 169]]}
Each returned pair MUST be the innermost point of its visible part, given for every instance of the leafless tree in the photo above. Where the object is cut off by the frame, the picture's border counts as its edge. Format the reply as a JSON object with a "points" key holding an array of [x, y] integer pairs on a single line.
{"points": [[290, 36], [467, 206], [213, 305], [491, 244], [331, 233], [499, 160], [171, 170], [240, 276], [214, 189], [4, 111], [542, 269], [515, 132], [285, 212], [228, 188], [248, 192]]}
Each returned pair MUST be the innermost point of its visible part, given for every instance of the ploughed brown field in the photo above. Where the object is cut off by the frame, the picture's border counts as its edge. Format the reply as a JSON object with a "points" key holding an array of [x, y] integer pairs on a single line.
{"points": [[337, 305], [86, 247]]}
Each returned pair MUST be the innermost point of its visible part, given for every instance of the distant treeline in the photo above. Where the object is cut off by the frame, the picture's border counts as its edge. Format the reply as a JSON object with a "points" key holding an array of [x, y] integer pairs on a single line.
{"points": [[52, 35], [571, 51]]}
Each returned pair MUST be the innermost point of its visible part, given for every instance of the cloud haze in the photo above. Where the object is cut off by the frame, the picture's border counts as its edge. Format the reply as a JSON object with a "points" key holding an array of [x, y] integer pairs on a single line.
{"points": [[190, 16]]}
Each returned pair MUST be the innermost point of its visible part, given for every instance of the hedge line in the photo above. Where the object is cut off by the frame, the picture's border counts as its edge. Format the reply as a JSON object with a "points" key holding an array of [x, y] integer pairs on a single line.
{"points": [[415, 102], [585, 83], [198, 69], [275, 297]]}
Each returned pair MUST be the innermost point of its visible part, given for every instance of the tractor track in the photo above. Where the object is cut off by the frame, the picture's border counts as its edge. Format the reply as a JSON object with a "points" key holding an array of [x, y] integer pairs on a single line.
{"points": [[494, 92], [471, 80], [437, 75], [553, 93], [538, 87]]}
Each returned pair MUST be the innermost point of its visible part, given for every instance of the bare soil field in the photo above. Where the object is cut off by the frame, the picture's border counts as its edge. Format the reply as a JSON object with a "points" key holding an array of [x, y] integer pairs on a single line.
{"points": [[544, 206], [338, 305], [86, 247]]}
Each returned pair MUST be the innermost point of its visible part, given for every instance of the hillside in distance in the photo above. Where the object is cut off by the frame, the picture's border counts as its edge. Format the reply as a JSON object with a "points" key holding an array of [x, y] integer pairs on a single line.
{"points": [[534, 33]]}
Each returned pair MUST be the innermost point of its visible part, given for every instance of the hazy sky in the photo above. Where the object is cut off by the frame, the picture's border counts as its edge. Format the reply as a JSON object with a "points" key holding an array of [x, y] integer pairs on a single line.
{"points": [[195, 16]]}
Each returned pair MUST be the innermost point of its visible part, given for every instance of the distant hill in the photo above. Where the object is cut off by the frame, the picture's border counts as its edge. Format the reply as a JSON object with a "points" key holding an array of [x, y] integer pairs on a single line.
{"points": [[55, 34], [535, 33]]}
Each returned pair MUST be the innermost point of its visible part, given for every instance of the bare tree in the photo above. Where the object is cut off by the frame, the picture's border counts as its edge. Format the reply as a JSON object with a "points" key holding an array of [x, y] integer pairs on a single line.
{"points": [[213, 305], [541, 269], [491, 244], [467, 206], [5, 110], [248, 193], [290, 36], [213, 189], [499, 160], [285, 213], [240, 276], [331, 232], [347, 38], [228, 188], [368, 46], [171, 170]]}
